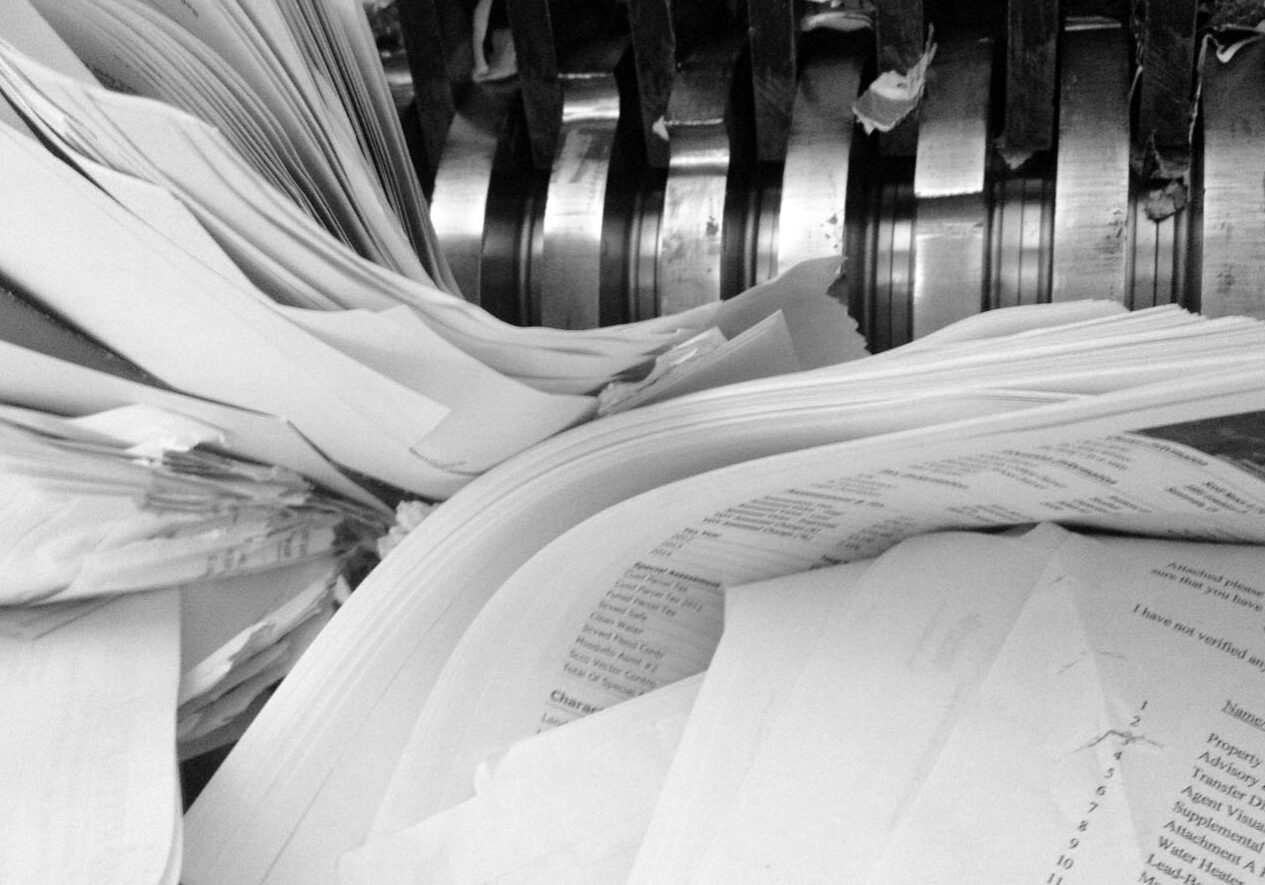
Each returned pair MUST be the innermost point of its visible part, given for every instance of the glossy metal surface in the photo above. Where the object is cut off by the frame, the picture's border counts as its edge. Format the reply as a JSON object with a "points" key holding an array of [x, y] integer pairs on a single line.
{"points": [[571, 258], [815, 176], [1091, 205], [691, 230], [1158, 256], [1022, 221], [459, 206], [931, 236], [950, 241], [1233, 273]]}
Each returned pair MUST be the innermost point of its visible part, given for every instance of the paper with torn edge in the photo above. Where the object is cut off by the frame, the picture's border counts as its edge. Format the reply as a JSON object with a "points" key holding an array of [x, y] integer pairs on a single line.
{"points": [[893, 95], [85, 513], [344, 715], [865, 717], [88, 763], [770, 630], [565, 806], [1120, 735], [238, 695]]}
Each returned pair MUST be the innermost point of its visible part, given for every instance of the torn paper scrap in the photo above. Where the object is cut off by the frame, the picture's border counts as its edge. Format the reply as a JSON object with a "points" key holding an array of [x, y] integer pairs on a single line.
{"points": [[838, 15], [892, 96]]}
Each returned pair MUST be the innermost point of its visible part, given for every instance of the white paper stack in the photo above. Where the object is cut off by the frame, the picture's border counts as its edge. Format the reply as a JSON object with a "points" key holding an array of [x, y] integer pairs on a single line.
{"points": [[1011, 706], [290, 197], [264, 76], [1031, 708], [135, 499], [124, 500], [1011, 418], [565, 806]]}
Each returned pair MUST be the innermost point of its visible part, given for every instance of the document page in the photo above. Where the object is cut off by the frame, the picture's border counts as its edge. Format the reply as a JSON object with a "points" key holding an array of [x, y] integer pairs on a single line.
{"points": [[866, 716], [342, 719], [631, 599], [350, 705], [1119, 736]]}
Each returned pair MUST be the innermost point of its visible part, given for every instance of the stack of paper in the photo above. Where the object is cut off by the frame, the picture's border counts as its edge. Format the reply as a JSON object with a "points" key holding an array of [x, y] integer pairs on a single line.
{"points": [[295, 88], [1015, 721], [258, 182], [441, 416], [124, 500], [964, 708], [170, 492], [766, 636], [568, 806], [1011, 418]]}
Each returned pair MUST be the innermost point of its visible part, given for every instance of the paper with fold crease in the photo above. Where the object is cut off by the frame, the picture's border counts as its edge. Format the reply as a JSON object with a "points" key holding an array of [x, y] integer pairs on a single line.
{"points": [[1119, 736], [865, 718]]}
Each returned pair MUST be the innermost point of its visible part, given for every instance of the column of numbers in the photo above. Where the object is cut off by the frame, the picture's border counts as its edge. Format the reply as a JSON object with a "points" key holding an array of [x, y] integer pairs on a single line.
{"points": [[1062, 872]]}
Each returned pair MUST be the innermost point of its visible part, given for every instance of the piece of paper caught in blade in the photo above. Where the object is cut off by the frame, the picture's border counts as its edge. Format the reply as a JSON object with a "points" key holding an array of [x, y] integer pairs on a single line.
{"points": [[892, 96]]}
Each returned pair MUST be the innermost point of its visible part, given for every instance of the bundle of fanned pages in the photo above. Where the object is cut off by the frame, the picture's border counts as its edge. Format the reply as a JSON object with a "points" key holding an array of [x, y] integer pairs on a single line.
{"points": [[232, 360], [595, 567]]}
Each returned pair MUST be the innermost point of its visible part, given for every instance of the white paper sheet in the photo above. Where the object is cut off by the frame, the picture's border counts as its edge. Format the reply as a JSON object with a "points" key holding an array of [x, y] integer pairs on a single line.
{"points": [[661, 574], [234, 348], [566, 806], [88, 763], [1119, 736], [770, 631], [865, 718], [343, 718]]}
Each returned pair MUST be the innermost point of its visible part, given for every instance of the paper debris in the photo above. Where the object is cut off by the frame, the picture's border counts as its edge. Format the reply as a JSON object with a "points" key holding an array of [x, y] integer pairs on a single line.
{"points": [[892, 96], [838, 15], [1165, 201]]}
